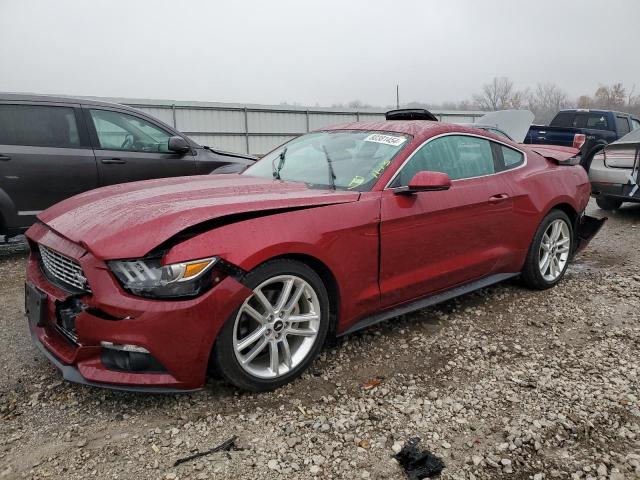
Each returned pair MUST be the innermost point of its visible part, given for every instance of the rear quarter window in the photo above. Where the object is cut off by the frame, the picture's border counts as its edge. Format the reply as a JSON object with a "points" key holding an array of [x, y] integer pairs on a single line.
{"points": [[38, 126], [511, 158]]}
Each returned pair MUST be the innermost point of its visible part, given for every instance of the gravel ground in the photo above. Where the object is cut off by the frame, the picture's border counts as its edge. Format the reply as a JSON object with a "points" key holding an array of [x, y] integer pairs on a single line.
{"points": [[502, 383]]}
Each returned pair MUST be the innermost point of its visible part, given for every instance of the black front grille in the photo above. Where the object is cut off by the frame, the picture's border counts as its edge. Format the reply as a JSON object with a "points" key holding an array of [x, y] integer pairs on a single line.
{"points": [[63, 270]]}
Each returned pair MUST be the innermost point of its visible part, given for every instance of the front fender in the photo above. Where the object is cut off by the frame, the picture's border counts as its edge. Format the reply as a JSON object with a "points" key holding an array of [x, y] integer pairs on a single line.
{"points": [[344, 237]]}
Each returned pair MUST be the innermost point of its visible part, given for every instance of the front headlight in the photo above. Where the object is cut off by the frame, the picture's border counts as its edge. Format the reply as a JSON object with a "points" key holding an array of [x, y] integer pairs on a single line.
{"points": [[148, 278]]}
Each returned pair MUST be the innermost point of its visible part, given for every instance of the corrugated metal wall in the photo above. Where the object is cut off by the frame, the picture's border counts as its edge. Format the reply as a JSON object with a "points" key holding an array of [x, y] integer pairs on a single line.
{"points": [[257, 129]]}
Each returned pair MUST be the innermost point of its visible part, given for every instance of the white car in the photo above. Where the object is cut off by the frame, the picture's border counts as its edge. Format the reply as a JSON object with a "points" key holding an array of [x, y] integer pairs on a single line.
{"points": [[614, 172]]}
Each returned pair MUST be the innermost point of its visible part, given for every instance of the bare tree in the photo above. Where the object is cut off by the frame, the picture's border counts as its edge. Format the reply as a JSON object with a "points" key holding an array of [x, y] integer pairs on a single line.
{"points": [[611, 97], [546, 100], [497, 95]]}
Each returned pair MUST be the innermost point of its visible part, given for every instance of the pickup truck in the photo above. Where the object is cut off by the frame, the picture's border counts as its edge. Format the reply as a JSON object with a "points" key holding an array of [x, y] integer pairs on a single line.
{"points": [[588, 130]]}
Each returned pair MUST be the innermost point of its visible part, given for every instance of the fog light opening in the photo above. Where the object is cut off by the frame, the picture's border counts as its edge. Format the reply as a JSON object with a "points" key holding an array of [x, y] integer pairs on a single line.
{"points": [[124, 347]]}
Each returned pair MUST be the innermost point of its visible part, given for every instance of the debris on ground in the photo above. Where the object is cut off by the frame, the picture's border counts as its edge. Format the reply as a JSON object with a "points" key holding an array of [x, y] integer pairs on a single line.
{"points": [[417, 463], [223, 447]]}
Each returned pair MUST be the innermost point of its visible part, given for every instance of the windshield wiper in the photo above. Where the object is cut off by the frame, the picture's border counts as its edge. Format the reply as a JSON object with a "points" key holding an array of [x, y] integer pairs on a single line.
{"points": [[332, 175], [276, 170]]}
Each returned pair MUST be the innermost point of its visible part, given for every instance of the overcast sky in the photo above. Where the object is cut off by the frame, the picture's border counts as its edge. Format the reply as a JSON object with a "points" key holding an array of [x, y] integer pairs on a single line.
{"points": [[325, 52]]}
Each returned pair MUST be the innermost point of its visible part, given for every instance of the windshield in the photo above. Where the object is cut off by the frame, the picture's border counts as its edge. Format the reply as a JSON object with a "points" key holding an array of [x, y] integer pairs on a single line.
{"points": [[344, 159]]}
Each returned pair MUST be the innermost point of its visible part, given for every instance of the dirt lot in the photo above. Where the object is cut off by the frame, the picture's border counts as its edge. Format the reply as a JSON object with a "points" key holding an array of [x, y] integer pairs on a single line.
{"points": [[505, 382]]}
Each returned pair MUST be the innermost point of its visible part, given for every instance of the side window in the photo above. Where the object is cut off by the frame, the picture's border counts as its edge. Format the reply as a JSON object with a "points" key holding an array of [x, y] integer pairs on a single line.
{"points": [[119, 131], [39, 126], [511, 158], [635, 124], [623, 125], [563, 119], [597, 121], [459, 156]]}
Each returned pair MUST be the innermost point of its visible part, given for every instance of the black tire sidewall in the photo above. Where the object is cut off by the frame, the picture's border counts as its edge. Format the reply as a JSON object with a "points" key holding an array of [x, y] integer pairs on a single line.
{"points": [[225, 360], [531, 272]]}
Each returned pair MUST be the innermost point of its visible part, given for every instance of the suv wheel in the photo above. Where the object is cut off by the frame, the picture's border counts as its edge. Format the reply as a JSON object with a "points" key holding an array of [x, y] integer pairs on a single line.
{"points": [[608, 203], [278, 331], [549, 253]]}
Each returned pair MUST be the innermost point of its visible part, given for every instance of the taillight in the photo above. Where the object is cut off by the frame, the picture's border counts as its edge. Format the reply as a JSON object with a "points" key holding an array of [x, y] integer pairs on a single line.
{"points": [[578, 140]]}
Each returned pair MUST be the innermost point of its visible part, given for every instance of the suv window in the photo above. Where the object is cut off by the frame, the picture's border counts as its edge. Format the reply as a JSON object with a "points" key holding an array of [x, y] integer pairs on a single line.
{"points": [[635, 124], [39, 126], [119, 131], [623, 125], [459, 156]]}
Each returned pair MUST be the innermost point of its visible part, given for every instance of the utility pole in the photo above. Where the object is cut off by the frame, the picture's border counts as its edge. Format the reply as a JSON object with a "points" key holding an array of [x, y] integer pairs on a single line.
{"points": [[397, 96]]}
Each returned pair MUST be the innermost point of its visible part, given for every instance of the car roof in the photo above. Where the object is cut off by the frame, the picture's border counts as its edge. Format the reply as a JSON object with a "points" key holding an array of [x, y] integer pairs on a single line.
{"points": [[419, 129], [30, 97]]}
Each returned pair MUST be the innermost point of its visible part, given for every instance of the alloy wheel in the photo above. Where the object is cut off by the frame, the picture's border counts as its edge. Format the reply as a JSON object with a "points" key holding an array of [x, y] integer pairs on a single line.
{"points": [[554, 250], [276, 327]]}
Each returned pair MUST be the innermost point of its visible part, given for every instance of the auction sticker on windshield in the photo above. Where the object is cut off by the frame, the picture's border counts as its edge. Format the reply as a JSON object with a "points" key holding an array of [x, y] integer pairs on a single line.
{"points": [[385, 139]]}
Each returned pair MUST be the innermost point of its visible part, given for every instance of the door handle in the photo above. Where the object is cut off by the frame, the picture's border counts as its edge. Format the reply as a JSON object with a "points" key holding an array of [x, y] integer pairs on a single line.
{"points": [[4, 158], [501, 197], [111, 161]]}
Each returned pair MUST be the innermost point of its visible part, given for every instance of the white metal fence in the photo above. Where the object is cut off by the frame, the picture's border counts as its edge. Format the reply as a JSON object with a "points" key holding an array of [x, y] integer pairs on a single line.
{"points": [[256, 129]]}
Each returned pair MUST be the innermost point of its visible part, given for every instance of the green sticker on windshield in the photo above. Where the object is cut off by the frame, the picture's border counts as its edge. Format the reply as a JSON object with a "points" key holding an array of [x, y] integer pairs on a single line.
{"points": [[380, 168], [356, 182]]}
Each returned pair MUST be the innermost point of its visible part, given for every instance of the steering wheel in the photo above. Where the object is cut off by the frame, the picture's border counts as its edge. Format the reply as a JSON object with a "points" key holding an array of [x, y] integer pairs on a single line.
{"points": [[128, 142]]}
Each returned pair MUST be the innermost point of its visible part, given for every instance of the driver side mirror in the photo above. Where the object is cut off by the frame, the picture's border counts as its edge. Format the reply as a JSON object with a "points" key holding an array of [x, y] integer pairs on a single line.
{"points": [[427, 182], [178, 144]]}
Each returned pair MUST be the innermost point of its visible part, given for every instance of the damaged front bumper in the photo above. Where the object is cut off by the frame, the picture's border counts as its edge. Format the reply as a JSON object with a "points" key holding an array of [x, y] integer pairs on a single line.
{"points": [[586, 228], [111, 339]]}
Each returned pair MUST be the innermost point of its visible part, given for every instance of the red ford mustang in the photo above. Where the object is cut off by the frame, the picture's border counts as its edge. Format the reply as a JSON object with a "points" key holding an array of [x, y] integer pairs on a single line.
{"points": [[144, 286]]}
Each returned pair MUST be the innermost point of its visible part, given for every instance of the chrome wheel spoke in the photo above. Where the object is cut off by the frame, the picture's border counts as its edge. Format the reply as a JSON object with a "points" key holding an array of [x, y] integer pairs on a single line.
{"points": [[295, 298], [263, 301], [555, 231], [286, 353], [301, 332], [304, 318], [544, 265], [274, 357], [254, 352], [253, 313], [284, 295], [250, 339]]}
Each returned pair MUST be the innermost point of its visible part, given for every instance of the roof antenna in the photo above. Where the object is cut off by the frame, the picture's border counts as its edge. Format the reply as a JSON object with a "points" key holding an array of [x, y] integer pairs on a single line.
{"points": [[397, 96]]}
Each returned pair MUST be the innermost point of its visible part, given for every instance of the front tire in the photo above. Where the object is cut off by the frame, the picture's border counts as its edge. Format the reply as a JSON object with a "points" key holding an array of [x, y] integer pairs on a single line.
{"points": [[549, 253], [608, 203], [278, 331]]}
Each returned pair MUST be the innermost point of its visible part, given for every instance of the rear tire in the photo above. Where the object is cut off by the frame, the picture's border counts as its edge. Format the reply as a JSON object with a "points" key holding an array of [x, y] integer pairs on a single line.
{"points": [[549, 253], [278, 331], [608, 203]]}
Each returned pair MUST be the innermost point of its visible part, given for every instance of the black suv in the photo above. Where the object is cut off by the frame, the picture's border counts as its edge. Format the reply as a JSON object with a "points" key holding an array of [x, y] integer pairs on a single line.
{"points": [[54, 147]]}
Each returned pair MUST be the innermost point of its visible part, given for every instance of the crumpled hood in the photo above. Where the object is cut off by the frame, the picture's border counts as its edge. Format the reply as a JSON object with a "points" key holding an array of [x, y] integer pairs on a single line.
{"points": [[130, 219]]}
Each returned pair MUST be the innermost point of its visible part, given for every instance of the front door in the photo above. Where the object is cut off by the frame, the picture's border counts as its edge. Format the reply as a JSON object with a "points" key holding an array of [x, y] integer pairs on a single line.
{"points": [[432, 241], [130, 148]]}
